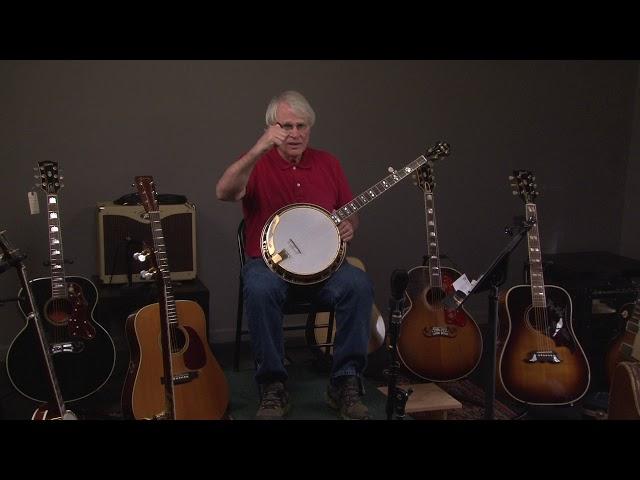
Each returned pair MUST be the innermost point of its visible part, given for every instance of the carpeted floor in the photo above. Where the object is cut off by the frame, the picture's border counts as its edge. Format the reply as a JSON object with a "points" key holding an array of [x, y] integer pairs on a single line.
{"points": [[306, 386]]}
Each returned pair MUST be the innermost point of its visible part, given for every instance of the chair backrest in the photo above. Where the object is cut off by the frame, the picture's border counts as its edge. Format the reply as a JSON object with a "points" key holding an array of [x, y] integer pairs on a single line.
{"points": [[241, 243]]}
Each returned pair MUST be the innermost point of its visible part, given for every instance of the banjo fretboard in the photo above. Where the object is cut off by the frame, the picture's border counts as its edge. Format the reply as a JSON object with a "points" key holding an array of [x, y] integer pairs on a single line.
{"points": [[373, 192]]}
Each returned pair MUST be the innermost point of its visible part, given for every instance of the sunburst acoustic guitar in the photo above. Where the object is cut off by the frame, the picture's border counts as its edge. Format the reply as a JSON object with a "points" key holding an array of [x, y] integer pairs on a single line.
{"points": [[541, 361]]}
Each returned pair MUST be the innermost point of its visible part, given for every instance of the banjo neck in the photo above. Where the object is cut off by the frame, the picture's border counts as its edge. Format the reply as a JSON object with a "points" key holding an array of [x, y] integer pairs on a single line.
{"points": [[373, 192]]}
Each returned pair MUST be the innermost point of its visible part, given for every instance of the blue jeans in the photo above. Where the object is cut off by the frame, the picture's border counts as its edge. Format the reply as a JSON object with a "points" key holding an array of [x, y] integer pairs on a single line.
{"points": [[349, 290]]}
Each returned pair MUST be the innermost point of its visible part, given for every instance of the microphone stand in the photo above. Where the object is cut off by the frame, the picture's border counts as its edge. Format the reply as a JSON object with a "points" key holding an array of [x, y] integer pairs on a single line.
{"points": [[490, 280], [396, 396]]}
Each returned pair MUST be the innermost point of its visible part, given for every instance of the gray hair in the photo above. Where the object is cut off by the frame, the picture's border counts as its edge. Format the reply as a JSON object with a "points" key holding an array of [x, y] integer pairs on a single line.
{"points": [[296, 101]]}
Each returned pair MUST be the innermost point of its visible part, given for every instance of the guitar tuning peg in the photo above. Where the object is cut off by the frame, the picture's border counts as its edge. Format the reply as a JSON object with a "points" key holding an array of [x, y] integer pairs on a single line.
{"points": [[511, 177], [391, 169], [148, 274], [35, 169], [61, 177], [140, 256], [514, 192], [36, 176]]}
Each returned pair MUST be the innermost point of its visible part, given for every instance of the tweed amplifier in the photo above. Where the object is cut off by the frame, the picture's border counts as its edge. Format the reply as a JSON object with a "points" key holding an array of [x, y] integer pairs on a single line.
{"points": [[122, 230]]}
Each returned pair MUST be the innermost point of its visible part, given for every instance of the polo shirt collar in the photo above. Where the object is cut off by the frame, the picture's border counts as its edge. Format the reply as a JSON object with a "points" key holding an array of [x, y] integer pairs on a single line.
{"points": [[305, 161]]}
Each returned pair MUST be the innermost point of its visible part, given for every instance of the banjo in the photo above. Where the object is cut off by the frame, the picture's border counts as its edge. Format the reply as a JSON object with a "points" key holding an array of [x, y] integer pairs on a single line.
{"points": [[301, 242]]}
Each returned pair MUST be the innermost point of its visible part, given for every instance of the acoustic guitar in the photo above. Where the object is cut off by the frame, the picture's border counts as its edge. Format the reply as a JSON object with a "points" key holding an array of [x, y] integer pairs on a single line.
{"points": [[541, 361], [172, 373], [624, 394], [54, 408], [434, 343], [317, 333], [621, 348], [83, 353]]}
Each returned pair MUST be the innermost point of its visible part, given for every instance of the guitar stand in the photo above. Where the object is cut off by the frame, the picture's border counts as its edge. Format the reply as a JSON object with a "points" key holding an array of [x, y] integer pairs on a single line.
{"points": [[491, 280], [396, 396]]}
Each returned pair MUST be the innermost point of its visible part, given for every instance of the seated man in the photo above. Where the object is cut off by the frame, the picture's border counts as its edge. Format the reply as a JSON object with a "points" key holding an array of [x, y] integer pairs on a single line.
{"points": [[279, 170]]}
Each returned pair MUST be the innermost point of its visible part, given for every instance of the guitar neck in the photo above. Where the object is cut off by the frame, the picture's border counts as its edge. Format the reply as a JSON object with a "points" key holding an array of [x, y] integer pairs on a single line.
{"points": [[375, 191], [44, 345], [56, 257], [535, 259], [432, 240], [167, 308]]}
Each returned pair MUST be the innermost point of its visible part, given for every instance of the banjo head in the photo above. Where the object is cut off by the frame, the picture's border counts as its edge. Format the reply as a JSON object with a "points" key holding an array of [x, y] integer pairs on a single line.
{"points": [[302, 244]]}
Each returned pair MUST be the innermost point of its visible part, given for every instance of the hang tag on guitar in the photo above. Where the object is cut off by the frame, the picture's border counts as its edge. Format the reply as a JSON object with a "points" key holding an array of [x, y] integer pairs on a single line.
{"points": [[463, 285], [34, 206]]}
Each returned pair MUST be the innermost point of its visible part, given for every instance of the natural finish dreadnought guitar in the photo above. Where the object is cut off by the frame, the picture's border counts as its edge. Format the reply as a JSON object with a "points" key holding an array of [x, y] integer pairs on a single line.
{"points": [[168, 340], [436, 344], [541, 361], [83, 352], [54, 408]]}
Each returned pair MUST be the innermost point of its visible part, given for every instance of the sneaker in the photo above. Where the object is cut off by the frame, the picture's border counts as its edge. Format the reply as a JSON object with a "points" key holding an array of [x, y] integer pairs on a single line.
{"points": [[274, 404], [344, 396]]}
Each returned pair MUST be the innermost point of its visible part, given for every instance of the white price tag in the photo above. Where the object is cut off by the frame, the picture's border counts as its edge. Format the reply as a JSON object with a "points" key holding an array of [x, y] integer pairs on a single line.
{"points": [[34, 206], [463, 285]]}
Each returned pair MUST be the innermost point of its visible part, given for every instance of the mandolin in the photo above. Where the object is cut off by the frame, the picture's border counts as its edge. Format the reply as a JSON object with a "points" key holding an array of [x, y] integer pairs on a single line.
{"points": [[541, 361], [54, 408], [172, 372], [83, 353], [434, 343]]}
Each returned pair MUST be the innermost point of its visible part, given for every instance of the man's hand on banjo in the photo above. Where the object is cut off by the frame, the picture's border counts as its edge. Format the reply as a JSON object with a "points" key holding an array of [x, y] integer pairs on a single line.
{"points": [[346, 230]]}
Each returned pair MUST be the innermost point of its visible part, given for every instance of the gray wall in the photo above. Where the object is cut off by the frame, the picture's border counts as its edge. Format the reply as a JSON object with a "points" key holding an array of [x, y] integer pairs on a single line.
{"points": [[630, 241], [183, 122]]}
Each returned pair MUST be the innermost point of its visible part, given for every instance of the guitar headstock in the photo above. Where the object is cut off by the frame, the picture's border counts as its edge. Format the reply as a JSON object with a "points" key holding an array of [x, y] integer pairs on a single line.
{"points": [[49, 176], [148, 198], [437, 151], [425, 178], [523, 185], [147, 192]]}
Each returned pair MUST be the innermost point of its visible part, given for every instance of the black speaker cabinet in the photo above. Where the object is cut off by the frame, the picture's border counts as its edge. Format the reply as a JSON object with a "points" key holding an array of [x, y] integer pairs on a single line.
{"points": [[122, 229], [599, 284]]}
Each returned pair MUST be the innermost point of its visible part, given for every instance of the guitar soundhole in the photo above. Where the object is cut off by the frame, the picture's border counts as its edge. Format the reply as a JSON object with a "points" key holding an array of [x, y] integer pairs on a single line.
{"points": [[434, 296], [57, 311], [178, 339], [551, 322]]}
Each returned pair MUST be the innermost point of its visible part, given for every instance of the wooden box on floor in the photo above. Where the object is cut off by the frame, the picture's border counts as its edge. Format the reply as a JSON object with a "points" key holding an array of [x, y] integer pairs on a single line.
{"points": [[429, 400]]}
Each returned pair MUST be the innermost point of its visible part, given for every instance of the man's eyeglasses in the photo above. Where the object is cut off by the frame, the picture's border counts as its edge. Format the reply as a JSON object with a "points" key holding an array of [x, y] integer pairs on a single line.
{"points": [[288, 127]]}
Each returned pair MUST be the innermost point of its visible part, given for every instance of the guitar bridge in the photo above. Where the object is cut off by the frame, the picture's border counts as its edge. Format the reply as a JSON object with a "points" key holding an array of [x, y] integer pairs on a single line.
{"points": [[67, 347], [436, 331], [543, 357], [182, 378]]}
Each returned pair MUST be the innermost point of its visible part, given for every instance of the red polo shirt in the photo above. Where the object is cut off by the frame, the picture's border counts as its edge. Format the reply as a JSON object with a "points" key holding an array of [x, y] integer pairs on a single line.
{"points": [[275, 183]]}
